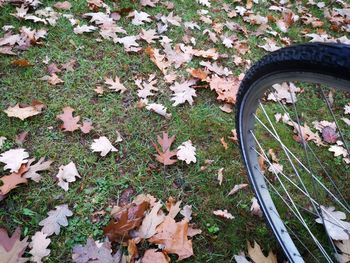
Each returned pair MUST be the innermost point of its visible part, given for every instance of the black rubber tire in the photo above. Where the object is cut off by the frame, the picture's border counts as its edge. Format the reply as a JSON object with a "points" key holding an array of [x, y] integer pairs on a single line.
{"points": [[326, 59]]}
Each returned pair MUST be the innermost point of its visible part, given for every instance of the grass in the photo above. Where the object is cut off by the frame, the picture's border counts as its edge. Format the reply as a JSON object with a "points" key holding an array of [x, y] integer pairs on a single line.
{"points": [[134, 166]]}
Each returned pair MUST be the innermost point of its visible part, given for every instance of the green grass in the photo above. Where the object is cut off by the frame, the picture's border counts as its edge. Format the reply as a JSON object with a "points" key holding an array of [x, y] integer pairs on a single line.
{"points": [[104, 179]]}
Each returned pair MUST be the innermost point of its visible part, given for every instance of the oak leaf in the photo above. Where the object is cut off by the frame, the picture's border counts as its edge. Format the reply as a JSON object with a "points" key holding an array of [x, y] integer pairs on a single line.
{"points": [[70, 123], [165, 154], [84, 29], [226, 88], [67, 174], [115, 85], [186, 152], [12, 249], [344, 247], [151, 221], [149, 35], [13, 159], [173, 237], [257, 255], [38, 246], [93, 251], [183, 92], [33, 170], [13, 180], [103, 145], [57, 218], [140, 18], [25, 112]]}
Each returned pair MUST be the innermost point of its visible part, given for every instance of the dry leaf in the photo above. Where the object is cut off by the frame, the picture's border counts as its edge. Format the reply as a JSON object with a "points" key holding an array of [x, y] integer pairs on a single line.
{"points": [[56, 218], [38, 246], [344, 247], [256, 254], [13, 159], [86, 127], [70, 123], [183, 92], [187, 212], [66, 175], [198, 73], [173, 207], [12, 249], [220, 175], [236, 188], [103, 145], [151, 221], [84, 29], [226, 88], [140, 18], [11, 181], [186, 152], [115, 85], [165, 154], [63, 5], [255, 208], [93, 251], [21, 63], [25, 112], [224, 214], [152, 256], [33, 170], [224, 144], [159, 109]]}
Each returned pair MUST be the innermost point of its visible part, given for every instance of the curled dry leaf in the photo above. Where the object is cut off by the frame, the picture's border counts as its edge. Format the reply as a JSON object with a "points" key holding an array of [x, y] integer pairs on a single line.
{"points": [[159, 109], [226, 88], [33, 170], [13, 159], [186, 152], [66, 175], [236, 188], [220, 175], [224, 214], [25, 112], [165, 154], [257, 255], [103, 145], [70, 123], [38, 246], [12, 248], [57, 218], [224, 144]]}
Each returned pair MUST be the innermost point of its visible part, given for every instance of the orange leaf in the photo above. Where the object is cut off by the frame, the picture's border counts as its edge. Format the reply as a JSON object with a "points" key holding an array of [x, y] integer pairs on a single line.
{"points": [[164, 156], [13, 180], [198, 73], [21, 63], [152, 256]]}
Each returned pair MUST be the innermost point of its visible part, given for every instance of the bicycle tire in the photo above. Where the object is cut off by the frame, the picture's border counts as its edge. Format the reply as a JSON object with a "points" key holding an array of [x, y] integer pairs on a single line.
{"points": [[328, 61]]}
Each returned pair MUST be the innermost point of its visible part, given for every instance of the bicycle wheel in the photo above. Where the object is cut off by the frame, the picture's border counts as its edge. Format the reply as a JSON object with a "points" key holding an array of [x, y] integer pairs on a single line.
{"points": [[294, 137]]}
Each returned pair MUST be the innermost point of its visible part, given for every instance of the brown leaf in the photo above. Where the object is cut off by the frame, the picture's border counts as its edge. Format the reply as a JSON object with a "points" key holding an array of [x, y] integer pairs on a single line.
{"points": [[257, 255], [224, 144], [12, 249], [152, 256], [164, 155], [173, 236], [126, 219], [226, 88], [13, 180], [151, 221], [198, 73], [21, 63], [70, 123], [132, 251], [236, 188], [125, 196], [25, 112], [173, 207]]}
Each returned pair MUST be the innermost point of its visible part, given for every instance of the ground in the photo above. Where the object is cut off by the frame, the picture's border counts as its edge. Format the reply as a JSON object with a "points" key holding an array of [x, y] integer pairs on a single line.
{"points": [[133, 166]]}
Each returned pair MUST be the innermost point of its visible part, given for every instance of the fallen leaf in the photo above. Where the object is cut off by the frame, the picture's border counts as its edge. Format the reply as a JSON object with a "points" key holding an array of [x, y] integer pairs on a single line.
{"points": [[285, 92], [63, 5], [70, 123], [99, 90], [255, 208], [257, 255], [151, 221], [344, 247], [152, 256], [159, 109], [173, 237], [329, 135], [186, 152], [173, 207], [149, 35], [226, 108], [25, 112], [226, 88], [165, 154], [224, 214], [224, 144], [236, 188], [183, 92], [11, 181], [84, 29], [234, 136], [67, 174], [56, 218], [12, 249], [115, 85], [52, 69], [21, 63], [187, 212], [13, 159], [333, 220], [103, 145], [140, 18], [220, 175], [38, 246], [93, 251], [198, 73], [33, 170], [86, 127], [338, 150]]}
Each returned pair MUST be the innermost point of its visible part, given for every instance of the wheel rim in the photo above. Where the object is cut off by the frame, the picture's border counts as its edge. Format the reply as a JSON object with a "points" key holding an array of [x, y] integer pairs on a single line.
{"points": [[250, 146]]}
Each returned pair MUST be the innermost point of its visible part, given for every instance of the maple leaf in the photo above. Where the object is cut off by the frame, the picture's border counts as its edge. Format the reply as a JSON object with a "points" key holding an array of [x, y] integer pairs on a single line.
{"points": [[12, 249], [152, 256], [93, 251], [38, 246], [257, 255], [70, 123], [66, 175], [236, 188], [124, 220], [183, 92], [33, 170], [224, 214], [186, 152], [159, 109], [344, 247], [337, 228], [151, 221], [25, 112], [173, 236], [13, 159], [103, 145], [226, 88], [115, 85], [165, 154], [56, 218]]}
